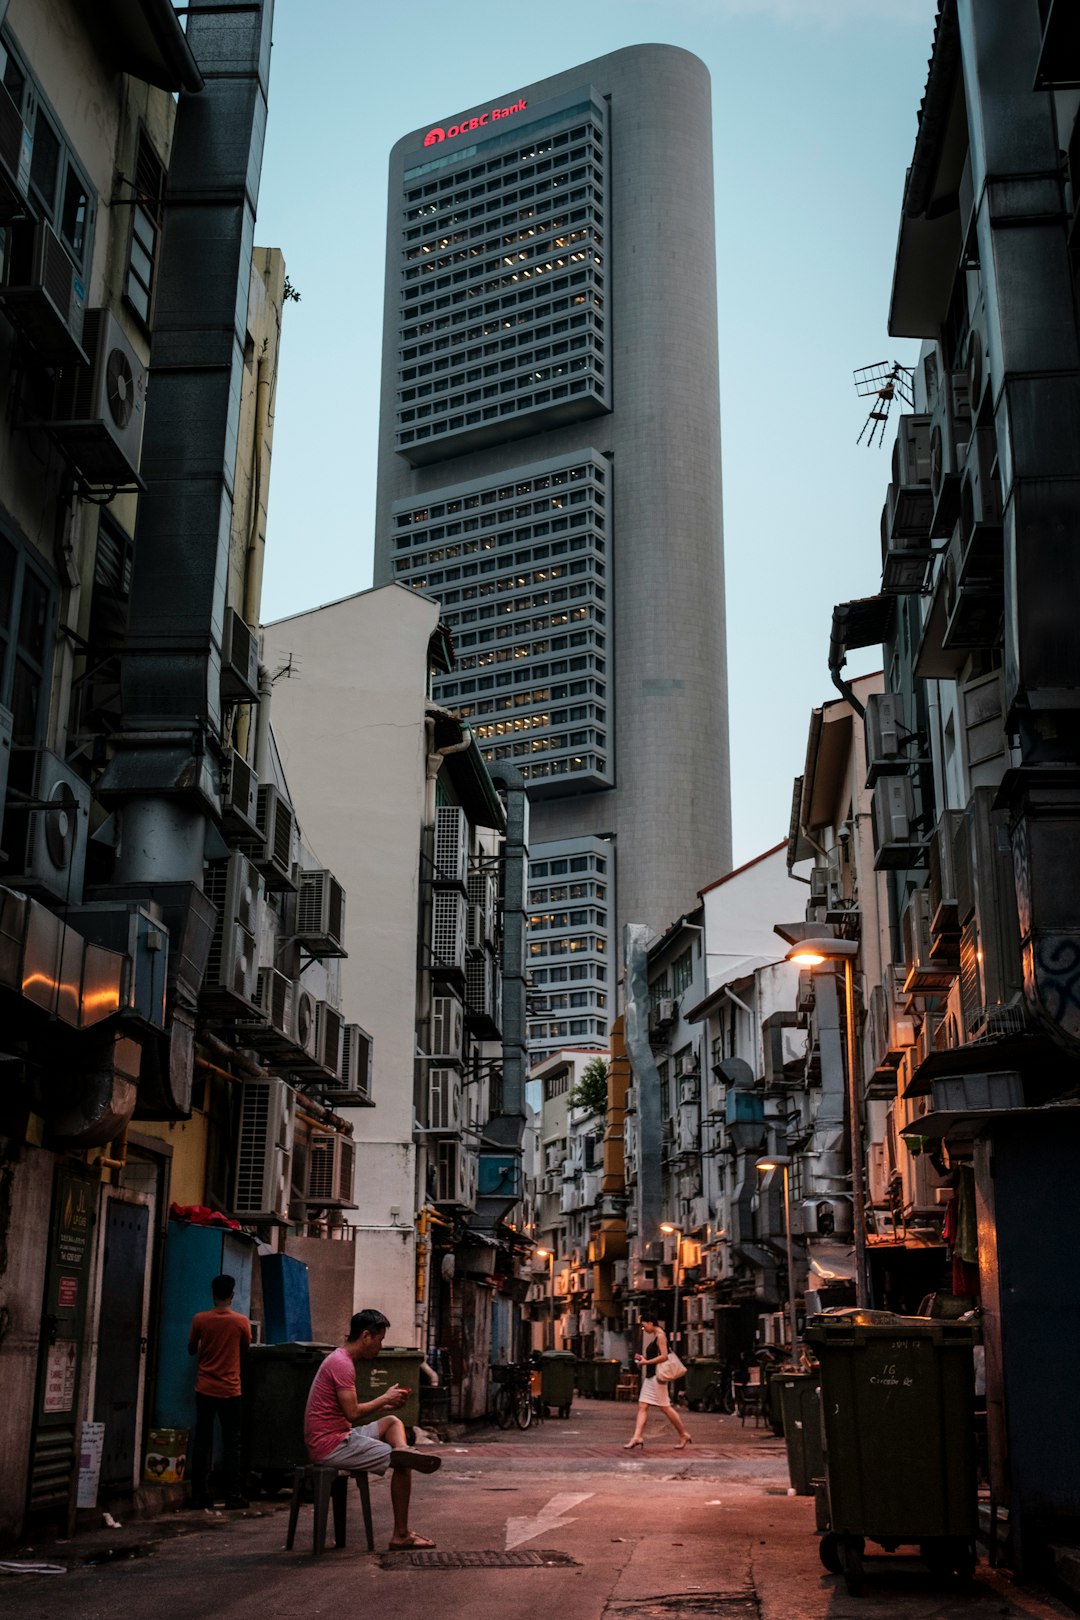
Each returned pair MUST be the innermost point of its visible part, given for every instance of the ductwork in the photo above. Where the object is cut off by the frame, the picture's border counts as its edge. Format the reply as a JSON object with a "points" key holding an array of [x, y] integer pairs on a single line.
{"points": [[650, 1207]]}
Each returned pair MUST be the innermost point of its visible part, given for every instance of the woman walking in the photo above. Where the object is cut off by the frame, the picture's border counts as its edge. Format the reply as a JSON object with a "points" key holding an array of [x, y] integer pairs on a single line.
{"points": [[653, 1393]]}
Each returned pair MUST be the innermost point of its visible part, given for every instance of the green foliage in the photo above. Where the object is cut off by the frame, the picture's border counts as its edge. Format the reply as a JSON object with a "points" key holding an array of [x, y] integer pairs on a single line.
{"points": [[590, 1092]]}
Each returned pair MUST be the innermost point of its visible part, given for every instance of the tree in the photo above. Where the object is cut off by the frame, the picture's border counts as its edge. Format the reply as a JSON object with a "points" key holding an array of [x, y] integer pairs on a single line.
{"points": [[590, 1092]]}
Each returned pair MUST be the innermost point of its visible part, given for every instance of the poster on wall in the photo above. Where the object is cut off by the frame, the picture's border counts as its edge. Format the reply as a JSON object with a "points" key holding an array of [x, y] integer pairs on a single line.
{"points": [[60, 1376], [93, 1443]]}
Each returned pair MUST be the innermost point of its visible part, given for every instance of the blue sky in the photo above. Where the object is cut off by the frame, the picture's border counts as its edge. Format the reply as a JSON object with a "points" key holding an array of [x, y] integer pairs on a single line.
{"points": [[815, 106]]}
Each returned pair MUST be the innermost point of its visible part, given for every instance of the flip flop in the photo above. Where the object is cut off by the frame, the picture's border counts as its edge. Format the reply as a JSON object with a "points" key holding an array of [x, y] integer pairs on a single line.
{"points": [[413, 1541]]}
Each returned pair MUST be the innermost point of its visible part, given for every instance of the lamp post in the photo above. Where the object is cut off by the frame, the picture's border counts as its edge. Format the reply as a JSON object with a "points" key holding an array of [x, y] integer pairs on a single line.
{"points": [[546, 1254], [812, 953], [781, 1161], [666, 1226]]}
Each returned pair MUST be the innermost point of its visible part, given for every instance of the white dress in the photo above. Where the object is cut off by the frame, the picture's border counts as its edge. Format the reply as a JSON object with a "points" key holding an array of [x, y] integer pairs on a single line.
{"points": [[653, 1392]]}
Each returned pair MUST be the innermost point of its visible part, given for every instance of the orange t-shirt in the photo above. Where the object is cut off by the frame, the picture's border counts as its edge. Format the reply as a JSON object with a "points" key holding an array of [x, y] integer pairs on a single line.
{"points": [[221, 1336]]}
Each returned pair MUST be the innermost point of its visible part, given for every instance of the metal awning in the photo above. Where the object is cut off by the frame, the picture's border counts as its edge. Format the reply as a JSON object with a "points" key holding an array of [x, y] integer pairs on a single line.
{"points": [[866, 622], [1035, 1056], [966, 1125], [146, 39]]}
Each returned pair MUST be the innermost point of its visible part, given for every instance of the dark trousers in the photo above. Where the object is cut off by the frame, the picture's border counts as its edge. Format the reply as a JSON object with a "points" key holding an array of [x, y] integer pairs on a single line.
{"points": [[227, 1412]]}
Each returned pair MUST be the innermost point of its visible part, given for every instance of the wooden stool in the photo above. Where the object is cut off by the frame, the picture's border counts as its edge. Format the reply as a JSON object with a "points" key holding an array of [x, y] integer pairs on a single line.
{"points": [[329, 1485], [626, 1388]]}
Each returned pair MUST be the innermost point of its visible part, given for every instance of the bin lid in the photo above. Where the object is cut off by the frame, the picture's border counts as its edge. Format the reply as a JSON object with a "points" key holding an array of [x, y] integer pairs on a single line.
{"points": [[556, 1355], [302, 1349]]}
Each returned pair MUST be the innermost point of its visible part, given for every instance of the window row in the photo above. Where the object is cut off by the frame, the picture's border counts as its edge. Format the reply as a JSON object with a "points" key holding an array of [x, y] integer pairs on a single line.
{"points": [[581, 917], [473, 240], [496, 158], [432, 213], [574, 765], [441, 402], [446, 333], [554, 892], [517, 350], [489, 413], [532, 649], [556, 1029], [570, 945], [520, 247], [558, 302]]}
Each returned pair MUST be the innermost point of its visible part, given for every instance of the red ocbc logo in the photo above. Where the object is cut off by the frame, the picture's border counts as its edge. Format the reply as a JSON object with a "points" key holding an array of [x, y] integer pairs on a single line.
{"points": [[467, 125]]}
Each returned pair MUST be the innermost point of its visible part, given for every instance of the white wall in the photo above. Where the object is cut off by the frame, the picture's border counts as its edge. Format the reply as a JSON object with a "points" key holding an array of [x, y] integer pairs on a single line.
{"points": [[740, 912], [349, 726]]}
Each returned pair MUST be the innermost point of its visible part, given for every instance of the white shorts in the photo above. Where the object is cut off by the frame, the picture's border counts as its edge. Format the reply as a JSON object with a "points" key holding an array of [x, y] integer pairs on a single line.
{"points": [[361, 1448]]}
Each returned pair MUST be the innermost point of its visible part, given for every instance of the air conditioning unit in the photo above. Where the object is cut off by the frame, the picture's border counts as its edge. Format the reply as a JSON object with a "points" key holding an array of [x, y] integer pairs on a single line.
{"points": [[455, 1175], [450, 853], [944, 925], [819, 885], [689, 1089], [99, 409], [239, 659], [687, 1065], [447, 932], [905, 559], [262, 1181], [328, 1027], [949, 430], [922, 974], [232, 970], [482, 908], [579, 1282], [16, 149], [977, 357], [444, 1096], [662, 1012], [331, 1159], [239, 796], [43, 296], [478, 986], [273, 998], [320, 914], [911, 502], [446, 1028], [973, 605], [980, 494], [707, 1343], [43, 846], [804, 993], [886, 735], [991, 977], [357, 1064], [895, 842], [304, 1021], [687, 1130], [272, 850]]}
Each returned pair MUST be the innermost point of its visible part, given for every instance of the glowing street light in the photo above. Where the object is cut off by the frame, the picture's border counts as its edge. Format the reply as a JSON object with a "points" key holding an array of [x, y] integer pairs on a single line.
{"points": [[811, 953], [676, 1231], [546, 1254]]}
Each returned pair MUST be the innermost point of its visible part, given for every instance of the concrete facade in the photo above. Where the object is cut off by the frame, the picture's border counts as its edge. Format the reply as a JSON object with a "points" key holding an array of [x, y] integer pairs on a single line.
{"points": [[646, 409]]}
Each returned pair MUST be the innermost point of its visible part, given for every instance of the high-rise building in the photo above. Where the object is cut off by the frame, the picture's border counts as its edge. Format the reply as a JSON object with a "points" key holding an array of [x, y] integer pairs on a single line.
{"points": [[549, 470]]}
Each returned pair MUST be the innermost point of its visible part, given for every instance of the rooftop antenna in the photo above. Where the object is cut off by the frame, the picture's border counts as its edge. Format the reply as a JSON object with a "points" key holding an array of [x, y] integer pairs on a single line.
{"points": [[882, 383]]}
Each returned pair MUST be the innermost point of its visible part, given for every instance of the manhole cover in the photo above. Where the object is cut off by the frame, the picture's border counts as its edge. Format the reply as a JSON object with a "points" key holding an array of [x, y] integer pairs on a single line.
{"points": [[431, 1558]]}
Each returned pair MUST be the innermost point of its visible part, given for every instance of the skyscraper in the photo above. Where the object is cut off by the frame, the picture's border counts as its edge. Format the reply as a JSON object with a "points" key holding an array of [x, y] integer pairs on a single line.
{"points": [[549, 469]]}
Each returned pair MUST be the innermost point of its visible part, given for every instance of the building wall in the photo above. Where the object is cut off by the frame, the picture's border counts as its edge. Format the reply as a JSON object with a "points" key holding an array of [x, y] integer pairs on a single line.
{"points": [[663, 441], [349, 725], [25, 1188]]}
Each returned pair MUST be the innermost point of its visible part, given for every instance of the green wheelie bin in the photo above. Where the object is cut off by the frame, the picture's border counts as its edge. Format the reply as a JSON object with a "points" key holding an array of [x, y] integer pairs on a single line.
{"points": [[605, 1373], [276, 1380], [801, 1411], [557, 1380], [585, 1376], [700, 1372], [897, 1401], [392, 1366]]}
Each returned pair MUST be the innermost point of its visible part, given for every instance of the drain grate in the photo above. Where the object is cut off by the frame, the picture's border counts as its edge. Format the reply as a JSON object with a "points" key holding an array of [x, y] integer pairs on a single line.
{"points": [[688, 1606], [431, 1558]]}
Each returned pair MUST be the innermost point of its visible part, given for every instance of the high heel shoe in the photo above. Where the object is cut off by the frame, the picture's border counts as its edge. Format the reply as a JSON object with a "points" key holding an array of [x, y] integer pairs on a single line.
{"points": [[686, 1440], [630, 1444]]}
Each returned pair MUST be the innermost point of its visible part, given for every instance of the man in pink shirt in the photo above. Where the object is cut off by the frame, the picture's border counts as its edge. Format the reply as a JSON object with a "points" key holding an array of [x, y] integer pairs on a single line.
{"points": [[337, 1431]]}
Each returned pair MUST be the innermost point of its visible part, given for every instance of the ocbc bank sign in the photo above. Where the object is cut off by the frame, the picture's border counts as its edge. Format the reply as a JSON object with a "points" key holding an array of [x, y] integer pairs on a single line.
{"points": [[467, 125]]}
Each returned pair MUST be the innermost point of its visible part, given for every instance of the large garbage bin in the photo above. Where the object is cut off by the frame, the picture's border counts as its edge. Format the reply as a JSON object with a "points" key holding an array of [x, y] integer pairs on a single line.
{"points": [[276, 1381], [585, 1377], [897, 1399], [700, 1372], [605, 1374], [800, 1407], [557, 1380], [392, 1365]]}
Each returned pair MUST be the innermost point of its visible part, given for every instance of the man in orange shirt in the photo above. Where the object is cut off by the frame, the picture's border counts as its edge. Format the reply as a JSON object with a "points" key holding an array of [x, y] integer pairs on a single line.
{"points": [[218, 1338]]}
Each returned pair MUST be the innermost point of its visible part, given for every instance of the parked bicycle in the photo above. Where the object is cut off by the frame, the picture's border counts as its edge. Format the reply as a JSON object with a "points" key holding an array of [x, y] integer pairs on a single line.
{"points": [[513, 1399]]}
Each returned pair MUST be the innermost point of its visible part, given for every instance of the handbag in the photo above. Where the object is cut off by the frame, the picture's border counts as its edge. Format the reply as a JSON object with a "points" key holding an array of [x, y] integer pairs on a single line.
{"points": [[671, 1369]]}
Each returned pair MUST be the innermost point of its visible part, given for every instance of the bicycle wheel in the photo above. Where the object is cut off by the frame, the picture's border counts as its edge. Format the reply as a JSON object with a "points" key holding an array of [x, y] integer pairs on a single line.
{"points": [[504, 1406], [523, 1412]]}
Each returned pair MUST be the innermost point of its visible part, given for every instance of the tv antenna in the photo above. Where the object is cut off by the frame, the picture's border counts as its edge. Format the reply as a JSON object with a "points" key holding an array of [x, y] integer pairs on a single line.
{"points": [[882, 383]]}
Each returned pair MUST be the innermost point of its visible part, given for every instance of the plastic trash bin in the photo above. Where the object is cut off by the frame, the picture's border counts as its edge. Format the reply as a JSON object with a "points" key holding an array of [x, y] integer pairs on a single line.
{"points": [[585, 1377], [276, 1381], [800, 1406], [897, 1401], [392, 1366], [557, 1380], [700, 1372], [605, 1376]]}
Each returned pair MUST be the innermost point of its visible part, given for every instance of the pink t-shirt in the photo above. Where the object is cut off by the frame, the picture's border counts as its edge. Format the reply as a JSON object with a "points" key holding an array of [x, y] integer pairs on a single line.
{"points": [[325, 1424]]}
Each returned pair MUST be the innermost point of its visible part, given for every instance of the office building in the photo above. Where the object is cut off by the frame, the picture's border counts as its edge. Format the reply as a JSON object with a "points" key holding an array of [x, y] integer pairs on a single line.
{"points": [[549, 471]]}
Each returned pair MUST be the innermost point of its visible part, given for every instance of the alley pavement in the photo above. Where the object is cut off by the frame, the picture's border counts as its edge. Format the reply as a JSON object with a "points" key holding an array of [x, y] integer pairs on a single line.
{"points": [[556, 1522]]}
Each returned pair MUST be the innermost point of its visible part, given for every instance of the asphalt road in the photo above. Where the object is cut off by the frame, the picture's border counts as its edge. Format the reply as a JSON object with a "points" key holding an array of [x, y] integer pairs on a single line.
{"points": [[608, 1535]]}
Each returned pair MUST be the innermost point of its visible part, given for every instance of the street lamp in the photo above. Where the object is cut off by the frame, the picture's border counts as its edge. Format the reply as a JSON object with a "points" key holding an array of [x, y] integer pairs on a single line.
{"points": [[812, 953], [666, 1226], [546, 1254], [781, 1161]]}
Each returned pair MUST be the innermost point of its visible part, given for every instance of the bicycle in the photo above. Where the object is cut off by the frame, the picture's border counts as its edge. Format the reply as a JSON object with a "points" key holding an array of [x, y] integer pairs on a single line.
{"points": [[720, 1395], [513, 1401]]}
